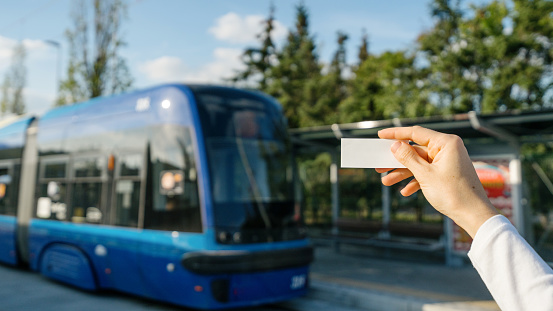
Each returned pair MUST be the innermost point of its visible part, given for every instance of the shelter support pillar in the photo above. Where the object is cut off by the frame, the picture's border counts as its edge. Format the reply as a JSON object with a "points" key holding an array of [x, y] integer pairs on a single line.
{"points": [[515, 175], [386, 211], [515, 167], [451, 259], [335, 197]]}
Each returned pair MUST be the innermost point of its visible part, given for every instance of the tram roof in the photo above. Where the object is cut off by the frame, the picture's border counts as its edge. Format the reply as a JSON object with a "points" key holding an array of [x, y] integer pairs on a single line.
{"points": [[512, 127], [12, 131], [126, 103]]}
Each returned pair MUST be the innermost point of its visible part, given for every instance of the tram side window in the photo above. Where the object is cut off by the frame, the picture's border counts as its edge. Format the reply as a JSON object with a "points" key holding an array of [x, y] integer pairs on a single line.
{"points": [[130, 165], [52, 200], [87, 190], [7, 193], [54, 170], [86, 202], [89, 167], [127, 190], [174, 202]]}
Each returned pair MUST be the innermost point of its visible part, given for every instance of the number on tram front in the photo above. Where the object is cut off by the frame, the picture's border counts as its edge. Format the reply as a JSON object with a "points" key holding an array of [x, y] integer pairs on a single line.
{"points": [[298, 281]]}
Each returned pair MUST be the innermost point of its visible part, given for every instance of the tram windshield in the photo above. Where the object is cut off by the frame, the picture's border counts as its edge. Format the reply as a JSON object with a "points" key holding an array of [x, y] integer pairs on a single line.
{"points": [[250, 166]]}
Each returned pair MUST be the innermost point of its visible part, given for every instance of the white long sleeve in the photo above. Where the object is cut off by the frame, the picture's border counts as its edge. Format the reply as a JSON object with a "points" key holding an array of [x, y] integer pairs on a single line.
{"points": [[514, 273]]}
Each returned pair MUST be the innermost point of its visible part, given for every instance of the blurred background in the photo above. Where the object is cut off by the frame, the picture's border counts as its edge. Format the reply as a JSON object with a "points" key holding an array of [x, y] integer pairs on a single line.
{"points": [[326, 64]]}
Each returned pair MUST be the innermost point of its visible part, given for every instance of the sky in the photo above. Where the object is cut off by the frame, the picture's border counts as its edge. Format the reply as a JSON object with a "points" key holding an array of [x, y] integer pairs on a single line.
{"points": [[198, 41]]}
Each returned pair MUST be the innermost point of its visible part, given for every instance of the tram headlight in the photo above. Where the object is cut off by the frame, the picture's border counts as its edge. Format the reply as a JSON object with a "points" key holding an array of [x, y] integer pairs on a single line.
{"points": [[237, 237], [226, 237], [223, 236]]}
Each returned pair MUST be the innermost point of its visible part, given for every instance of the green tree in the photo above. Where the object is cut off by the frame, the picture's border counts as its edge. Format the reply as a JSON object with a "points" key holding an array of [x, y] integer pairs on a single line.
{"points": [[333, 86], [95, 66], [387, 86], [294, 79], [363, 52], [14, 82], [260, 60], [435, 45], [522, 77], [4, 101], [497, 58]]}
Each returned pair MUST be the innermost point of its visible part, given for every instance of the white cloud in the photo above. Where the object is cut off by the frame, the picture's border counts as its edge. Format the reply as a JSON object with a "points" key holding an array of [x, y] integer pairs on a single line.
{"points": [[7, 45], [34, 45], [236, 29], [164, 69], [173, 69], [226, 61], [6, 49]]}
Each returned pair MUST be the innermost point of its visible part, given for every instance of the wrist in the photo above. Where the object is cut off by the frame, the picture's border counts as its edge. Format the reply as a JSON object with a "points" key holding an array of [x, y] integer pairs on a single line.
{"points": [[473, 220]]}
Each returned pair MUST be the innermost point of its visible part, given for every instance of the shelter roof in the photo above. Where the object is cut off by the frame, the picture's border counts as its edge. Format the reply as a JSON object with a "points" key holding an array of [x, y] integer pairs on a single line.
{"points": [[513, 127]]}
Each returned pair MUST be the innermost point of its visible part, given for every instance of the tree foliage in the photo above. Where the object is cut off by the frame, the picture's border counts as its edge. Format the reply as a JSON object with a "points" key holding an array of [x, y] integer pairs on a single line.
{"points": [[333, 86], [386, 86], [297, 72], [95, 66], [12, 100], [491, 57], [259, 61], [497, 59]]}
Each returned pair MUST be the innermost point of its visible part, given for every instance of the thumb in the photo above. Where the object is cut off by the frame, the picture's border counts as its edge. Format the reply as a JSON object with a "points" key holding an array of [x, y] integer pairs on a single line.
{"points": [[408, 156]]}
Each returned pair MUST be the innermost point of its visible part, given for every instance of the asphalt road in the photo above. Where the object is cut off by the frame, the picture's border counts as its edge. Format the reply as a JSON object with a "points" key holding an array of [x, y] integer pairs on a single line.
{"points": [[23, 290]]}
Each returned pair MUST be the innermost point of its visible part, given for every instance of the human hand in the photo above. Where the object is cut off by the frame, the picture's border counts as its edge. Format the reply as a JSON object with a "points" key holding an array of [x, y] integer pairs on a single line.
{"points": [[443, 171]]}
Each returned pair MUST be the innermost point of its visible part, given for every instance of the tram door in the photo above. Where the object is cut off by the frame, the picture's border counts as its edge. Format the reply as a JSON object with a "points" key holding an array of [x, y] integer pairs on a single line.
{"points": [[126, 194], [8, 204]]}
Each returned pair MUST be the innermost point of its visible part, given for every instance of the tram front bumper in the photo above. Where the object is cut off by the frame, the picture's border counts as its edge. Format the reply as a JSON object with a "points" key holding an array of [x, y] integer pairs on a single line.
{"points": [[242, 278], [239, 261]]}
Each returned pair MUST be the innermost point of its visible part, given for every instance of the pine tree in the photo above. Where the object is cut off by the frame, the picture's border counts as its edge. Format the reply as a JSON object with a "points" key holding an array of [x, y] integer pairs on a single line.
{"points": [[333, 87], [363, 52], [259, 61], [295, 78]]}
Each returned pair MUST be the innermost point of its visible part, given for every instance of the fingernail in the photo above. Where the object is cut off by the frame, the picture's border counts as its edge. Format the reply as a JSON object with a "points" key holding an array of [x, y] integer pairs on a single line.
{"points": [[395, 146]]}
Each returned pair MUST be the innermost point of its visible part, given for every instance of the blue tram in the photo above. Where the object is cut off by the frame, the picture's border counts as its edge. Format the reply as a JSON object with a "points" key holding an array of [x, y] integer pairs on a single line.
{"points": [[179, 193]]}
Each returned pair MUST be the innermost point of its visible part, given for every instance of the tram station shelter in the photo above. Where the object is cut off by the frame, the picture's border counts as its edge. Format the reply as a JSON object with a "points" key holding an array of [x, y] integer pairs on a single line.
{"points": [[494, 140]]}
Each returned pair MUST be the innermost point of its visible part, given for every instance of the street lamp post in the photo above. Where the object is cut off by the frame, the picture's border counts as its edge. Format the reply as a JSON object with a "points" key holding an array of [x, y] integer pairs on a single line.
{"points": [[57, 45]]}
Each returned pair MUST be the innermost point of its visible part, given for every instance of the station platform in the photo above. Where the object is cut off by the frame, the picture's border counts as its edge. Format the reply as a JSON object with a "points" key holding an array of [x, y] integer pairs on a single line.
{"points": [[363, 278]]}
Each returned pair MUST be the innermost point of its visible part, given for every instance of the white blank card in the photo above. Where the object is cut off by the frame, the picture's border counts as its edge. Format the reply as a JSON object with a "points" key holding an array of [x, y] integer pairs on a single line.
{"points": [[368, 153]]}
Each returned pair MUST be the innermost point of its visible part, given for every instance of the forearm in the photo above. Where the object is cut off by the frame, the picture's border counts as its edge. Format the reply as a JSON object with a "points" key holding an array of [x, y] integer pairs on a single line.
{"points": [[515, 275], [481, 211]]}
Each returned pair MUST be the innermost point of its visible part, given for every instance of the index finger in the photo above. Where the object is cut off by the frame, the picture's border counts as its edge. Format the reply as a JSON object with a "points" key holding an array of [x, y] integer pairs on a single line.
{"points": [[420, 135]]}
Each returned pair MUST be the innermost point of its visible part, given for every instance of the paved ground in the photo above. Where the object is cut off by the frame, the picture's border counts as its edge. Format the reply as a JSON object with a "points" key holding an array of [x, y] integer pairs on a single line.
{"points": [[370, 280], [22, 290], [357, 266], [356, 278]]}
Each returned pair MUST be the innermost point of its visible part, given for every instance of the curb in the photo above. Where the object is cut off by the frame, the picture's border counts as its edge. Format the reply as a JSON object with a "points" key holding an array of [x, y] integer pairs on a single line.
{"points": [[374, 300]]}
